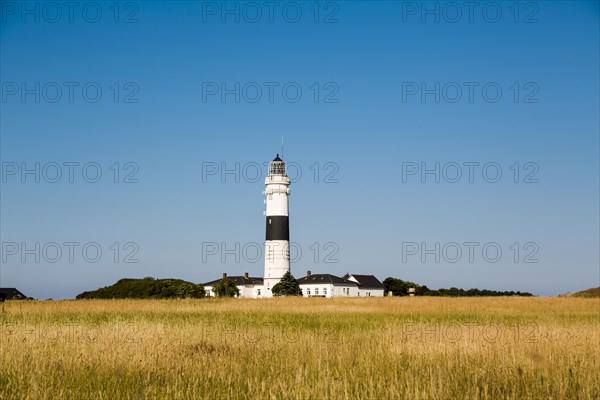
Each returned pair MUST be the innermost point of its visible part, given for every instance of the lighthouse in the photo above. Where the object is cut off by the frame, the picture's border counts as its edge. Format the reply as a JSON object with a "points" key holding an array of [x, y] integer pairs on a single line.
{"points": [[277, 248], [277, 254]]}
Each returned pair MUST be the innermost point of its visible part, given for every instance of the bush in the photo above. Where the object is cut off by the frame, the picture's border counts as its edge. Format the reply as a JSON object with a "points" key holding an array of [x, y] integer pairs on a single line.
{"points": [[147, 288], [398, 287]]}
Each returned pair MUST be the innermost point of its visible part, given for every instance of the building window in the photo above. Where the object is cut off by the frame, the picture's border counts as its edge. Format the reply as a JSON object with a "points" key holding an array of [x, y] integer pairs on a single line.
{"points": [[308, 292], [325, 291], [316, 291]]}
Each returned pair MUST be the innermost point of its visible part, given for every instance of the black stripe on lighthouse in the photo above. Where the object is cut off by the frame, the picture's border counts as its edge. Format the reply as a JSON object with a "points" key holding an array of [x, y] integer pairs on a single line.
{"points": [[278, 227]]}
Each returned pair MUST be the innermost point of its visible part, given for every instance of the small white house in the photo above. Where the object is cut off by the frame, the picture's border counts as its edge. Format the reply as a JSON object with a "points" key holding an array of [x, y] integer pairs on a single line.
{"points": [[368, 285], [249, 287], [327, 285]]}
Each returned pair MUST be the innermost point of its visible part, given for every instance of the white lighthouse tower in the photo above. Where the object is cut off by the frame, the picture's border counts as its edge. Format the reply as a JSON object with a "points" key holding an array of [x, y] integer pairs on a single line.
{"points": [[277, 249]]}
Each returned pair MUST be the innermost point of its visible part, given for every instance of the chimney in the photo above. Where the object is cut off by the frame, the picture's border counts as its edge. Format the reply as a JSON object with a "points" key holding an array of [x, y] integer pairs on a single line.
{"points": [[245, 275], [224, 275], [308, 273]]}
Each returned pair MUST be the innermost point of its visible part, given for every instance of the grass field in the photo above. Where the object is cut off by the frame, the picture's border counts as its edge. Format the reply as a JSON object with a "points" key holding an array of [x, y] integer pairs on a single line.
{"points": [[357, 348]]}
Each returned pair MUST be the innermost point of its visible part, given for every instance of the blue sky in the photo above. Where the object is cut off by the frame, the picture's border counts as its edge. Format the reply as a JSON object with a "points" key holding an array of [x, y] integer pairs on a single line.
{"points": [[188, 92]]}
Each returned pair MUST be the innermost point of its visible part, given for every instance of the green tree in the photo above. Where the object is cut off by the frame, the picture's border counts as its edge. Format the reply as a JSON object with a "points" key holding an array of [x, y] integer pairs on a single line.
{"points": [[398, 287], [226, 288], [346, 276], [190, 290], [287, 286]]}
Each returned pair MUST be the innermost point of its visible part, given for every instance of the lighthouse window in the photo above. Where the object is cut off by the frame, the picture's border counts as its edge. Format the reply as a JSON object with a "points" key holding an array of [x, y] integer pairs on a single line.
{"points": [[277, 168]]}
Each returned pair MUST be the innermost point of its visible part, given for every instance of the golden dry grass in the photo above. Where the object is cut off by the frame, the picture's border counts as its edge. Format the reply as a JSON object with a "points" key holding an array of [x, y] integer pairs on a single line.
{"points": [[357, 348]]}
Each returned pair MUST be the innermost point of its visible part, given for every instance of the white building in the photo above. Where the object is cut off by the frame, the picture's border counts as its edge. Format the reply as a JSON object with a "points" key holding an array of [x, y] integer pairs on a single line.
{"points": [[312, 285], [368, 285], [249, 287], [327, 285]]}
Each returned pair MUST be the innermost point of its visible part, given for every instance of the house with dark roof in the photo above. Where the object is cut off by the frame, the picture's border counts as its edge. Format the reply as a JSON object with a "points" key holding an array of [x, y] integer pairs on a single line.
{"points": [[247, 285], [326, 285], [11, 294], [368, 285]]}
